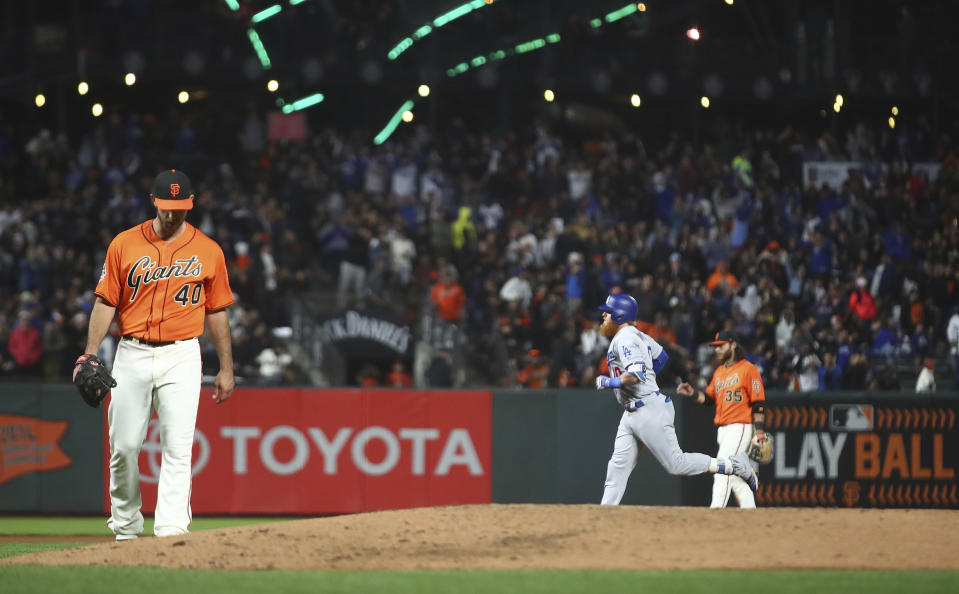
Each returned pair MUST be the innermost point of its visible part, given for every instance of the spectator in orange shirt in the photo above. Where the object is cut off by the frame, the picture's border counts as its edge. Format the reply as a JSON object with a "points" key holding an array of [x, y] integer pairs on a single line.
{"points": [[535, 373], [448, 296], [720, 276], [398, 377], [369, 376], [861, 302]]}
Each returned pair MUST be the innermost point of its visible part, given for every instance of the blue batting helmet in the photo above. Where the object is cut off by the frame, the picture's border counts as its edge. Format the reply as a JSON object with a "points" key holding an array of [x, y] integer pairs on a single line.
{"points": [[622, 307]]}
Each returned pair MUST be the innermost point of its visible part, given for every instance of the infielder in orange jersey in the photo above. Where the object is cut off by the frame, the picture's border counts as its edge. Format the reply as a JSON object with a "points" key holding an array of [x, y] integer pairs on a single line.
{"points": [[166, 278], [737, 391]]}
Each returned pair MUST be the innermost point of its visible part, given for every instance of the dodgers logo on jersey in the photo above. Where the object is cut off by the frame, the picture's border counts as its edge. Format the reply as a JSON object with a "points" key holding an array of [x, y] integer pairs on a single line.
{"points": [[146, 271], [626, 351]]}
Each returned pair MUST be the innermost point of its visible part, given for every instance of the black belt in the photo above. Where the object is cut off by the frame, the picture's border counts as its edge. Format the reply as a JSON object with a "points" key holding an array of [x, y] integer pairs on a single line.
{"points": [[149, 343]]}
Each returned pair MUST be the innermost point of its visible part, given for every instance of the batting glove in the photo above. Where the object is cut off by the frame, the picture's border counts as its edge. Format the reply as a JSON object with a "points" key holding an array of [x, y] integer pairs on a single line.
{"points": [[605, 382]]}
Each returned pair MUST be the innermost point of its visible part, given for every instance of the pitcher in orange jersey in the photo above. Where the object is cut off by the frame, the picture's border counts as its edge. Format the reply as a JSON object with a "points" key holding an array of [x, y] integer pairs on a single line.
{"points": [[166, 279], [738, 394]]}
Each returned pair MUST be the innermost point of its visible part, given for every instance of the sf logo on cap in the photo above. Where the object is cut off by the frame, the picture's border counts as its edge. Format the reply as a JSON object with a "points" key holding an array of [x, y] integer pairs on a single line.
{"points": [[174, 190]]}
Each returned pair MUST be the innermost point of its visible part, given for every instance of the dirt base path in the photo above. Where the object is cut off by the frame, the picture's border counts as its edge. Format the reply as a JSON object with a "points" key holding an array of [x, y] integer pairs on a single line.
{"points": [[555, 537]]}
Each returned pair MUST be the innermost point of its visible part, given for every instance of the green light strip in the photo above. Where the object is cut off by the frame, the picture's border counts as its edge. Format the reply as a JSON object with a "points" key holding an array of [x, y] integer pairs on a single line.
{"points": [[530, 46], [422, 32], [596, 23], [233, 4], [303, 103], [441, 20], [401, 47], [295, 2], [458, 12], [622, 12], [390, 127], [266, 13], [522, 48], [259, 49]]}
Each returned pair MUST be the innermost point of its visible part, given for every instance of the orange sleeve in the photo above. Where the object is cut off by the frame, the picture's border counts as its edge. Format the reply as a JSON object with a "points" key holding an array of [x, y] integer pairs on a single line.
{"points": [[217, 287], [110, 286], [754, 385]]}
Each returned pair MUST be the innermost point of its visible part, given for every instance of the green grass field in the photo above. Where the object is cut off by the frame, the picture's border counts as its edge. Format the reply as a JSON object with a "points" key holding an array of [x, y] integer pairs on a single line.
{"points": [[147, 580]]}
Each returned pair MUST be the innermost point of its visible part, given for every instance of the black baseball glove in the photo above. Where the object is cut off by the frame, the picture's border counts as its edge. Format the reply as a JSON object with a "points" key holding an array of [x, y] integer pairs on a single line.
{"points": [[92, 379]]}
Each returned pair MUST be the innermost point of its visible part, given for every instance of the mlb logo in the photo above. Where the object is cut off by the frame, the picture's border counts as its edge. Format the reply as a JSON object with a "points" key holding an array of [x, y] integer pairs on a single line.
{"points": [[851, 417]]}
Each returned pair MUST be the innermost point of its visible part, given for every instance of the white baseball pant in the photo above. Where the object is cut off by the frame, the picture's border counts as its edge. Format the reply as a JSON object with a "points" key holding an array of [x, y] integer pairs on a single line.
{"points": [[732, 439], [651, 426], [165, 379]]}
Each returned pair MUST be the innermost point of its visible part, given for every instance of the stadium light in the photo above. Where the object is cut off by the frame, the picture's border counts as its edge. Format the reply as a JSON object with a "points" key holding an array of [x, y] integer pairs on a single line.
{"points": [[635, 100], [40, 100], [407, 116], [130, 79], [183, 97], [390, 127], [440, 21], [895, 110], [641, 7], [303, 103], [693, 33], [83, 87], [266, 13], [836, 107], [625, 11], [892, 122], [272, 86], [549, 95], [96, 110], [259, 49], [730, 2], [423, 91], [704, 101], [839, 100]]}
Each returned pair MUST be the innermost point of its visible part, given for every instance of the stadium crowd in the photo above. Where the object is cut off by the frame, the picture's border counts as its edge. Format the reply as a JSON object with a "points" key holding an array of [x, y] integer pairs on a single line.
{"points": [[512, 240]]}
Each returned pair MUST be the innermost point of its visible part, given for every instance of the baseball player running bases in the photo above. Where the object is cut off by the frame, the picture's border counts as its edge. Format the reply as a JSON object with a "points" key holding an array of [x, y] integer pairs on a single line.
{"points": [[647, 422], [166, 279]]}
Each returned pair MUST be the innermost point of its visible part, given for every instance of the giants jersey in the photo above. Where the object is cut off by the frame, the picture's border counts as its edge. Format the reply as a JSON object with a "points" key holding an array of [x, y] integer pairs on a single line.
{"points": [[734, 389], [632, 351], [162, 289]]}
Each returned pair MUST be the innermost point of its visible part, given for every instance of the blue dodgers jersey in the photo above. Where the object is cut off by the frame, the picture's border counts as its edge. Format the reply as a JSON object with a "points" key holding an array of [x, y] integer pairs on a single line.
{"points": [[632, 351]]}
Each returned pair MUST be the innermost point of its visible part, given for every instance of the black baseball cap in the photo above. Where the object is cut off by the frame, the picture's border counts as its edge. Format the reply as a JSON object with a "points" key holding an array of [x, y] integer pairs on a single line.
{"points": [[172, 190], [722, 338]]}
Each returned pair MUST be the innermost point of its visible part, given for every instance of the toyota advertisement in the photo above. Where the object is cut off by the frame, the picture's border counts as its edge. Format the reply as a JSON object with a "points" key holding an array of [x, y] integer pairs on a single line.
{"points": [[332, 451]]}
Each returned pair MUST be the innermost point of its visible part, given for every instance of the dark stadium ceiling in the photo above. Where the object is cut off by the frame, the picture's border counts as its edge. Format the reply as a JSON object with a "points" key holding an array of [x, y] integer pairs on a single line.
{"points": [[747, 47]]}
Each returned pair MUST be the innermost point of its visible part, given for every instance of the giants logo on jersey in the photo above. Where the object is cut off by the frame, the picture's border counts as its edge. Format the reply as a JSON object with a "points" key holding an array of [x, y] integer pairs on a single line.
{"points": [[146, 271], [732, 380]]}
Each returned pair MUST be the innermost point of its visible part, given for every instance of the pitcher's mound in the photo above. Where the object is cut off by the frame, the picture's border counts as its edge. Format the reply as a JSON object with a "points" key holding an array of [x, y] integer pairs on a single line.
{"points": [[556, 537]]}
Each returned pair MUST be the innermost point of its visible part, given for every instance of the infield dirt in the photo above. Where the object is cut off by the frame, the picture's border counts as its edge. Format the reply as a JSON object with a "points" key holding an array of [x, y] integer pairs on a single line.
{"points": [[554, 537]]}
